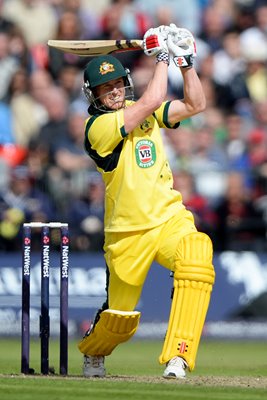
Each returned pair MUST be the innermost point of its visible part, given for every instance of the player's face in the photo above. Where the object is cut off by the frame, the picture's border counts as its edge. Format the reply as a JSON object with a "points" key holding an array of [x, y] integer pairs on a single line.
{"points": [[112, 94]]}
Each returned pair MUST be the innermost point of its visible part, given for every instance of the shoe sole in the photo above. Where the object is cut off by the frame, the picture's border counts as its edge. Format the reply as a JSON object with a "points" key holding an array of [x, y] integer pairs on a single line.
{"points": [[173, 376]]}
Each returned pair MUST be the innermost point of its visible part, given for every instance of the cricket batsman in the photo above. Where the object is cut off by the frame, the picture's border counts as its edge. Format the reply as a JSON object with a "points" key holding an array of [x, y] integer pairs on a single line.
{"points": [[145, 219]]}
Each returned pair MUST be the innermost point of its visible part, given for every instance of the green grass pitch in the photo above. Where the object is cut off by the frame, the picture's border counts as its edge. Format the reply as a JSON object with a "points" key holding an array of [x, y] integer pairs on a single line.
{"points": [[231, 370]]}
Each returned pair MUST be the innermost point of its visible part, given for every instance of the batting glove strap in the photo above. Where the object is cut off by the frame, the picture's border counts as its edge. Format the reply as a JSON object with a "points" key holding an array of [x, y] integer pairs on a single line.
{"points": [[183, 61], [163, 57]]}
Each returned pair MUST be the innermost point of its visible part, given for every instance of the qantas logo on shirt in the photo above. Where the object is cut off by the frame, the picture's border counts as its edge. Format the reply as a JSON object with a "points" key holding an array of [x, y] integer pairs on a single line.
{"points": [[145, 153]]}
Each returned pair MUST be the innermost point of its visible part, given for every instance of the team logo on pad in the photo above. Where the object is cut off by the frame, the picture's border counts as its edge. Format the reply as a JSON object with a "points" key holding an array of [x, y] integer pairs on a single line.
{"points": [[145, 153]]}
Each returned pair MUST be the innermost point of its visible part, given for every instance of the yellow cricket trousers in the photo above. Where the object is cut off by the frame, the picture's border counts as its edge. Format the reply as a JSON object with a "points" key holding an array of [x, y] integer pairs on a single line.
{"points": [[129, 256]]}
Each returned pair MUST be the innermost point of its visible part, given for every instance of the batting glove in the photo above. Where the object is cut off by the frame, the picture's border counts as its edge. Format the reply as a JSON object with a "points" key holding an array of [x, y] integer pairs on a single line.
{"points": [[182, 45], [155, 41]]}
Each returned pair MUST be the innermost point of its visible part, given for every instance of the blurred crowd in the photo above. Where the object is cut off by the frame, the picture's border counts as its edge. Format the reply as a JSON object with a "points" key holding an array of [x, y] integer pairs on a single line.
{"points": [[219, 158]]}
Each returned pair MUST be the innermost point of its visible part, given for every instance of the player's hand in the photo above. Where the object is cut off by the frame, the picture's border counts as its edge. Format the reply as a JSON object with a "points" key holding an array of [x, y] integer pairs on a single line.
{"points": [[183, 38], [155, 41], [182, 45]]}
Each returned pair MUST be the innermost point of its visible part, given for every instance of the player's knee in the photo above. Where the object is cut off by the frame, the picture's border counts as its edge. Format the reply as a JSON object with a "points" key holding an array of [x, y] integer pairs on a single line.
{"points": [[193, 260]]}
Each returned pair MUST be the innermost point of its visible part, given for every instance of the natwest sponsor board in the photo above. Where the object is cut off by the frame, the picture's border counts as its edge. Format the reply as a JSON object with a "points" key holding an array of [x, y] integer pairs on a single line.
{"points": [[241, 279]]}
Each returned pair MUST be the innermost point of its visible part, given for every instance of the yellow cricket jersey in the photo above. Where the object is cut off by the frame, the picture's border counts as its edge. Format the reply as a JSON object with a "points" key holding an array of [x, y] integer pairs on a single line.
{"points": [[139, 183]]}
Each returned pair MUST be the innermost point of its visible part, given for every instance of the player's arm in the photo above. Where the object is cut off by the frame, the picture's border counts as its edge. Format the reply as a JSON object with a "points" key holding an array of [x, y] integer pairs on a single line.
{"points": [[181, 44], [194, 100], [154, 45]]}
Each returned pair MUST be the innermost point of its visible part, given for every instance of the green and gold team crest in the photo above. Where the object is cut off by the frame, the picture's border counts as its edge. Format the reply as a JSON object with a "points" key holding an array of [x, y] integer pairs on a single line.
{"points": [[145, 153]]}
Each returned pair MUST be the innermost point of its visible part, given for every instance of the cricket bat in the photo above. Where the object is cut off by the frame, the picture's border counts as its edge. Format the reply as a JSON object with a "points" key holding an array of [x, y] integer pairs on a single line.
{"points": [[95, 47]]}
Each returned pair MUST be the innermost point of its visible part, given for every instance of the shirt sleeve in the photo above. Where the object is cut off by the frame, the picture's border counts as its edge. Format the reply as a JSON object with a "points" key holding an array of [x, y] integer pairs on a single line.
{"points": [[105, 132], [161, 115]]}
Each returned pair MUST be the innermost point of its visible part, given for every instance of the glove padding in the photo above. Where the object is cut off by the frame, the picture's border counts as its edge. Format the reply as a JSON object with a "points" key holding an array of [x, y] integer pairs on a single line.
{"points": [[181, 44], [155, 41]]}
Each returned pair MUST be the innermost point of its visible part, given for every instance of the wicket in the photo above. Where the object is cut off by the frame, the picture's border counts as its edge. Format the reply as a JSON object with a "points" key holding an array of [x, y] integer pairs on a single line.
{"points": [[44, 311]]}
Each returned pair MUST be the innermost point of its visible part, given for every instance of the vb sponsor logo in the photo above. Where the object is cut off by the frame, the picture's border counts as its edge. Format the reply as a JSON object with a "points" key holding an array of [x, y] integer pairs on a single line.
{"points": [[145, 153]]}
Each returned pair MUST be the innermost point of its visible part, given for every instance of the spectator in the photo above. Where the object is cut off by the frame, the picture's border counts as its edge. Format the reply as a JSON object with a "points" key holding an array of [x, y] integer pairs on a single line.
{"points": [[8, 65], [180, 147], [195, 202], [56, 103], [260, 113], [69, 79], [214, 25], [21, 202], [183, 13], [69, 28], [244, 15], [209, 164], [90, 21], [261, 15], [62, 140], [142, 73], [68, 152], [27, 103], [254, 50], [257, 154], [258, 28], [5, 24], [215, 118], [228, 61], [19, 84], [257, 147], [133, 21], [235, 146], [19, 49], [212, 92], [111, 18], [36, 19], [86, 216], [240, 225], [250, 85]]}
